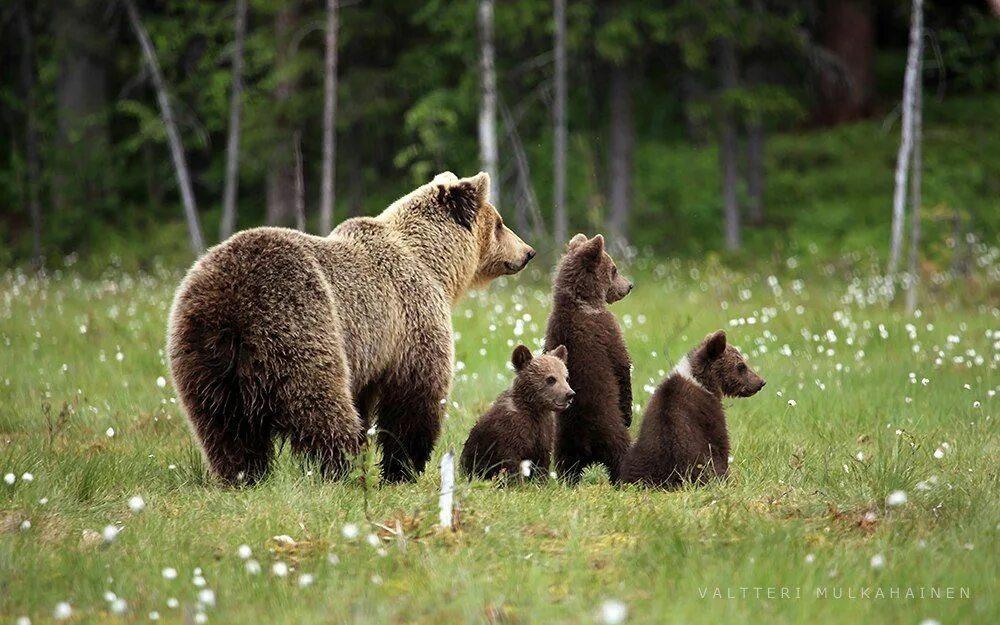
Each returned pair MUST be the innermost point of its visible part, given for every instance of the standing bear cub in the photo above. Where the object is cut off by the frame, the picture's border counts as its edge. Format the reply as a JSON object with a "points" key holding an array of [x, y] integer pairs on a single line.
{"points": [[520, 425], [683, 435], [276, 334], [595, 428]]}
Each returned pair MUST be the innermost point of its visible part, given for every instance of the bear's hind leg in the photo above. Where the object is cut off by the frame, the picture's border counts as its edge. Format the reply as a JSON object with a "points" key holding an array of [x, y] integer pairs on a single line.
{"points": [[238, 456], [322, 423], [410, 410]]}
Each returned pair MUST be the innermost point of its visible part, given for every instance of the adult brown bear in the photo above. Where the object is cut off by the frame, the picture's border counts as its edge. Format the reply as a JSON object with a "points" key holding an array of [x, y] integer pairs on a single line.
{"points": [[276, 334]]}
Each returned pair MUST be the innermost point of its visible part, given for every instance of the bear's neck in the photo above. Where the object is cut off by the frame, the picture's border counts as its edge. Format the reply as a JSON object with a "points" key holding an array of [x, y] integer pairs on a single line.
{"points": [[449, 260]]}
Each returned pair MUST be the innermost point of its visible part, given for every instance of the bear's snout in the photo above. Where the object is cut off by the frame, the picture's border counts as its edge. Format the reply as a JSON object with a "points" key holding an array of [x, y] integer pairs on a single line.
{"points": [[514, 267]]}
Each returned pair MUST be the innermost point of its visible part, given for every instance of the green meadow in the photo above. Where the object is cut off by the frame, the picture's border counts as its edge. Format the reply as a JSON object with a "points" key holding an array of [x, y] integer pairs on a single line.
{"points": [[862, 401]]}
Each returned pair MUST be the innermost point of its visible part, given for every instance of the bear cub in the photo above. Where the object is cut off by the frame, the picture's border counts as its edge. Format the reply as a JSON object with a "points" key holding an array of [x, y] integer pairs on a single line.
{"points": [[595, 428], [683, 435], [520, 425]]}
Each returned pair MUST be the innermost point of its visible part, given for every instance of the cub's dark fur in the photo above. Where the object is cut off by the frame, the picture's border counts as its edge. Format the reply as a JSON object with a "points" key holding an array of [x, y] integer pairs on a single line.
{"points": [[520, 425], [595, 428], [683, 435]]}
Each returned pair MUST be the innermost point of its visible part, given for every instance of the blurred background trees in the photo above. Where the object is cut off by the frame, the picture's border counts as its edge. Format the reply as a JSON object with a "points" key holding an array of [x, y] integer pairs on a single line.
{"points": [[685, 126]]}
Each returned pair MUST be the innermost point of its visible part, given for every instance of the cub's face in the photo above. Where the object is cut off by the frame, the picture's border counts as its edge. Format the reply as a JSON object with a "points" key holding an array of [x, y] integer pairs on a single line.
{"points": [[543, 381], [720, 366], [590, 273]]}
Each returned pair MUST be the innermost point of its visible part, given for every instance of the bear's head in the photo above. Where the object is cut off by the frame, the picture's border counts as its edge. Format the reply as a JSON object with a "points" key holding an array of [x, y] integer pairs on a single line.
{"points": [[452, 224], [587, 273], [542, 382], [721, 369]]}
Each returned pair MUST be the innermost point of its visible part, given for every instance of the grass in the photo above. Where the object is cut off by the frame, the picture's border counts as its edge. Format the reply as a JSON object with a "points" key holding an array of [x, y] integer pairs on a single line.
{"points": [[804, 510]]}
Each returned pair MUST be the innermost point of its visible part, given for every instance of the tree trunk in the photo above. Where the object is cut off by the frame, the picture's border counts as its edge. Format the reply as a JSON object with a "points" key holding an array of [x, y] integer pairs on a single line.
{"points": [[488, 109], [848, 32], [81, 104], [728, 149], [300, 185], [281, 176], [915, 195], [755, 172], [356, 179], [30, 131], [903, 159], [620, 157], [235, 111], [329, 120], [560, 222], [173, 136], [529, 217]]}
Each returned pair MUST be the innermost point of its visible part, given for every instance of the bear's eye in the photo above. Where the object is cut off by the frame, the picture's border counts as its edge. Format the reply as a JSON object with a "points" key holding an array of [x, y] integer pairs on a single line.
{"points": [[550, 380], [614, 272], [499, 225], [741, 368]]}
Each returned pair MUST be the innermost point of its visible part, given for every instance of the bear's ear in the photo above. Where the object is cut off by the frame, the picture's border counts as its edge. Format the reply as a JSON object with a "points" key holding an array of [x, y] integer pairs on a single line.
{"points": [[715, 344], [521, 357], [461, 200], [445, 176], [592, 250], [575, 241], [560, 353], [481, 182]]}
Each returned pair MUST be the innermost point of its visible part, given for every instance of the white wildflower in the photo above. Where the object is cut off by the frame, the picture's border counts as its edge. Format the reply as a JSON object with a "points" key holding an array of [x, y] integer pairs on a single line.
{"points": [[110, 533], [896, 498], [613, 612], [63, 611]]}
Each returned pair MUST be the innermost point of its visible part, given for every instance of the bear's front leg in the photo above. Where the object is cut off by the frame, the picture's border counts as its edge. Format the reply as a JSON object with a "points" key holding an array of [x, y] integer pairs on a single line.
{"points": [[410, 409]]}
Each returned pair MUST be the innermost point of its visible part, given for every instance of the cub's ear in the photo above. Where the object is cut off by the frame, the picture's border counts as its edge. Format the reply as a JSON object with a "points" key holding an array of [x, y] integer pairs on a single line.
{"points": [[461, 200], [575, 241], [445, 176], [521, 357], [593, 249], [560, 353], [715, 344]]}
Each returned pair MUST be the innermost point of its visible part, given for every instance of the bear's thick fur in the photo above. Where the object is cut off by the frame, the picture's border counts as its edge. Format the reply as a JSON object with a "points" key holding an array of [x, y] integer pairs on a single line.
{"points": [[683, 435], [595, 427], [276, 334], [521, 423]]}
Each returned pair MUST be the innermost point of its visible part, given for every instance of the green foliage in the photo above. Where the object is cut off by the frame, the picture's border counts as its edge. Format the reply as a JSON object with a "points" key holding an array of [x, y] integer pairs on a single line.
{"points": [[970, 51], [407, 107]]}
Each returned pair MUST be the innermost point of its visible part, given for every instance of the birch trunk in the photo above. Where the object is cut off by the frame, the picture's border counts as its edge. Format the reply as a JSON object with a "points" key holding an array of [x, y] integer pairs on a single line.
{"points": [[173, 136], [913, 57], [300, 185], [488, 109], [281, 175], [728, 150], [329, 120], [620, 157], [560, 223], [755, 172], [235, 112], [915, 196]]}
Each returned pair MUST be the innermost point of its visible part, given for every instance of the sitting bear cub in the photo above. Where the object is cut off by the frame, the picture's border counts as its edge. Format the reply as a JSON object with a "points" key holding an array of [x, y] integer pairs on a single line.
{"points": [[595, 428], [683, 435], [520, 425]]}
